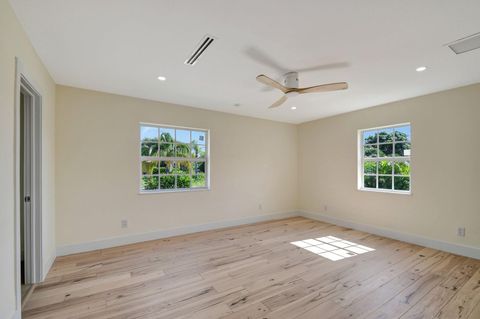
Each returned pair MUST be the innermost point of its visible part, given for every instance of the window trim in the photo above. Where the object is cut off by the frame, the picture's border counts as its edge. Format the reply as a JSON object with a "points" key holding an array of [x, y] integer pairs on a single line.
{"points": [[159, 158], [361, 160]]}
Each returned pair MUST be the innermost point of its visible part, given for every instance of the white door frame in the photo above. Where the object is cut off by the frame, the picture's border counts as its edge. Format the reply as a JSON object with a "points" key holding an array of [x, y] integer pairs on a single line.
{"points": [[33, 271]]}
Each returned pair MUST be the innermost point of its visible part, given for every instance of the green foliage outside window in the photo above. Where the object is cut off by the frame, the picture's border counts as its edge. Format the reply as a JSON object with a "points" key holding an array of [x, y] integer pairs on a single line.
{"points": [[402, 183], [370, 181], [150, 182], [384, 167], [198, 180], [402, 168], [149, 149], [385, 182], [167, 182], [183, 181]]}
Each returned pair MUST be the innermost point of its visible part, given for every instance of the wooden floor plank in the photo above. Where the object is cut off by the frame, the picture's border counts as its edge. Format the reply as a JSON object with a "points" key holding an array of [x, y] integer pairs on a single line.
{"points": [[253, 271], [465, 300]]}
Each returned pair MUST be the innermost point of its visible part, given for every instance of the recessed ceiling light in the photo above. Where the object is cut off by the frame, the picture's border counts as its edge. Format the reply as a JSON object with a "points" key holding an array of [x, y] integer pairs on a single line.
{"points": [[293, 108], [421, 68], [162, 78]]}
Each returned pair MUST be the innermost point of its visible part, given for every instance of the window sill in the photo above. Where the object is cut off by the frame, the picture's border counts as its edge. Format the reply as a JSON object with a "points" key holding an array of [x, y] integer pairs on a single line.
{"points": [[387, 191], [190, 190]]}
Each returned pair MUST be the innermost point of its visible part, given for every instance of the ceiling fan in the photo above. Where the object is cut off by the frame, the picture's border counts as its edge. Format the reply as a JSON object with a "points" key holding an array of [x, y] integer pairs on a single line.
{"points": [[290, 88]]}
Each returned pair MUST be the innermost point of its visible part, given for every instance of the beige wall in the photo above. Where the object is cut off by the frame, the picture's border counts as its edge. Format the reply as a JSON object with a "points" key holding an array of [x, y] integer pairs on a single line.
{"points": [[14, 42], [445, 167], [253, 162]]}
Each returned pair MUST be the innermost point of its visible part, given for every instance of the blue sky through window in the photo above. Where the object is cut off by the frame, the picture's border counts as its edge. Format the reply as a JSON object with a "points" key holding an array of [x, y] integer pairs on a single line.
{"points": [[198, 137], [183, 136], [148, 132]]}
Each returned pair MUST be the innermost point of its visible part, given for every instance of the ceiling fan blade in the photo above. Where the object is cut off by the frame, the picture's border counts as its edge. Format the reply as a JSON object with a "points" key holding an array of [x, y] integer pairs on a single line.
{"points": [[267, 81], [263, 58], [278, 102], [324, 88]]}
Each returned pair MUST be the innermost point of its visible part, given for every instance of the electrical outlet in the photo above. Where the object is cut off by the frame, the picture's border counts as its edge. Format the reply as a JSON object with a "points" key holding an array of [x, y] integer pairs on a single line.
{"points": [[325, 208], [124, 223], [461, 231], [260, 207]]}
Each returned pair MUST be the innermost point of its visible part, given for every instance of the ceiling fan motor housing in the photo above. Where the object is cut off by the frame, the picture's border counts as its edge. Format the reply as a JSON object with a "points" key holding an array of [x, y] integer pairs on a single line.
{"points": [[291, 80]]}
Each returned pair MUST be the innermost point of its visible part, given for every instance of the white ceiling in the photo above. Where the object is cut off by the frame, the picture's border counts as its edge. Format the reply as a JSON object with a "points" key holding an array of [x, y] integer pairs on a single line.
{"points": [[121, 46]]}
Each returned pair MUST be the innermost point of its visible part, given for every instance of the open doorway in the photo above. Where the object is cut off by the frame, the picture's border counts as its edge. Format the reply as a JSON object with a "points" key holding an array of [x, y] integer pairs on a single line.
{"points": [[28, 189]]}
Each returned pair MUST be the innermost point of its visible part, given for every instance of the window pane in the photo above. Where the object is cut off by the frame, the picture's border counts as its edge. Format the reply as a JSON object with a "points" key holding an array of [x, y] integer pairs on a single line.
{"points": [[385, 182], [149, 134], [198, 137], [149, 149], [183, 150], [199, 180], [384, 167], [402, 149], [370, 181], [370, 151], [402, 183], [149, 182], [184, 181], [166, 167], [198, 167], [149, 167], [370, 137], [198, 151], [370, 167], [385, 135], [385, 150], [183, 167], [167, 182], [402, 168], [167, 150], [402, 133], [167, 134], [182, 136]]}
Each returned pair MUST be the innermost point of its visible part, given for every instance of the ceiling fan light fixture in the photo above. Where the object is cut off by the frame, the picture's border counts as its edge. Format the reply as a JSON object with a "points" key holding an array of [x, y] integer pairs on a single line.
{"points": [[292, 89]]}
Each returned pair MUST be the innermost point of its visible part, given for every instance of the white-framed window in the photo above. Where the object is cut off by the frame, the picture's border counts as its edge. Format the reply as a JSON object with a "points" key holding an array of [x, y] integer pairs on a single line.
{"points": [[384, 159], [173, 158]]}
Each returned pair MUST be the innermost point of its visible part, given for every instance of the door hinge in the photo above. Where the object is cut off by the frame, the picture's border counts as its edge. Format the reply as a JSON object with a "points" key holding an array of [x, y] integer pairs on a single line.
{"points": [[27, 199]]}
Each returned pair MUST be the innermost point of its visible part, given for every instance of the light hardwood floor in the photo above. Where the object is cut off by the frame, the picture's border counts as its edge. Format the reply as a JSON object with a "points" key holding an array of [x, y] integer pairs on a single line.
{"points": [[254, 271]]}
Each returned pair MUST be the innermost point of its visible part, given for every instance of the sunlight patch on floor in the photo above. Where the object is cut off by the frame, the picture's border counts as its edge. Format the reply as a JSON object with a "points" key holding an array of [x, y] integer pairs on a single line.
{"points": [[332, 248]]}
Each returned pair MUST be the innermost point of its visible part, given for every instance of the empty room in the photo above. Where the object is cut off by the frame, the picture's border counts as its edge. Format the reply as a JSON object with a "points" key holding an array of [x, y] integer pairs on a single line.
{"points": [[239, 159]]}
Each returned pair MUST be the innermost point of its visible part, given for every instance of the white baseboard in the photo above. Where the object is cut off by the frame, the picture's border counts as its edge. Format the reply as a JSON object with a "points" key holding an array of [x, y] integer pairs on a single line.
{"points": [[130, 239], [463, 250], [468, 251]]}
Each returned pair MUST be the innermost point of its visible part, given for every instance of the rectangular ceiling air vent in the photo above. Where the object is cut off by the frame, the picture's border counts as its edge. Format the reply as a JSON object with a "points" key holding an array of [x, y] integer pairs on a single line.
{"points": [[466, 44], [199, 50]]}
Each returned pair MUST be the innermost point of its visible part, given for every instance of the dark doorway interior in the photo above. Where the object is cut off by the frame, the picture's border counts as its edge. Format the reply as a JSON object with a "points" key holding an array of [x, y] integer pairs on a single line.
{"points": [[25, 183]]}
